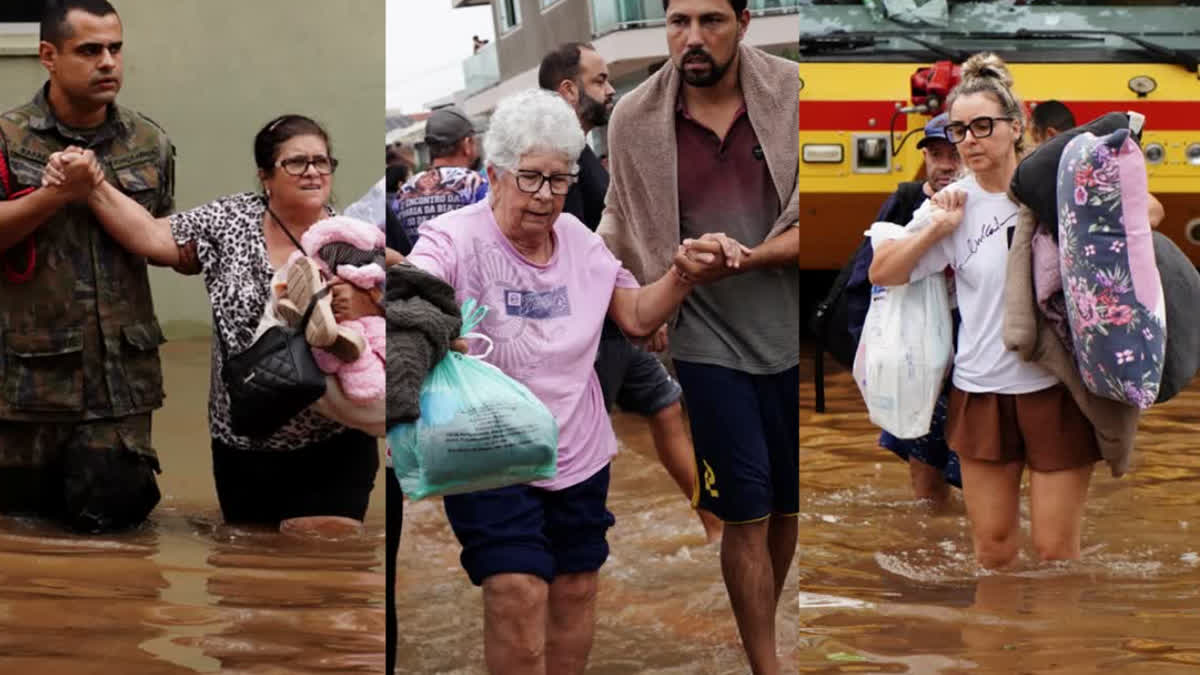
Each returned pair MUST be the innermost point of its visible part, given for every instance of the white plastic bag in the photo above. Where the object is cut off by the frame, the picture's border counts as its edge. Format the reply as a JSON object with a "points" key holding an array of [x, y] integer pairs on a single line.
{"points": [[905, 350]]}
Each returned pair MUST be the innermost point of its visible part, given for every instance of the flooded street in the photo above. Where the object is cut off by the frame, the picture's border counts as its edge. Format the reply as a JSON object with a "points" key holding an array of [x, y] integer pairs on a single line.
{"points": [[662, 607], [888, 587], [186, 593]]}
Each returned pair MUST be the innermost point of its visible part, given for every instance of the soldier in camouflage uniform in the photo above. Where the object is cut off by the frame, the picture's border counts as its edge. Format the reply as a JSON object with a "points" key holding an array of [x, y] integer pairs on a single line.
{"points": [[79, 365]]}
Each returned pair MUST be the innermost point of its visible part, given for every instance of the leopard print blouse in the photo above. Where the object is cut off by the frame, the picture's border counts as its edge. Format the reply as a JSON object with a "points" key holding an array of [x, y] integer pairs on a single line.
{"points": [[237, 274]]}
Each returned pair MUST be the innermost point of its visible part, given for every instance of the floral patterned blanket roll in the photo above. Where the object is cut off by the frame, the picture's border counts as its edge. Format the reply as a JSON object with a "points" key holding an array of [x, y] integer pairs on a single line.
{"points": [[1113, 293]]}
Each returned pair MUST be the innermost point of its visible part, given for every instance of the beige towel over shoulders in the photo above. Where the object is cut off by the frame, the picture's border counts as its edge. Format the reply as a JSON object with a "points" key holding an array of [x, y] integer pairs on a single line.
{"points": [[640, 224]]}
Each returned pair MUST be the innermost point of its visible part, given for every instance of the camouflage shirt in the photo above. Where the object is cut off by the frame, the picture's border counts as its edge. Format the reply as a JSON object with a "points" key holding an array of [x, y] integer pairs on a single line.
{"points": [[79, 341]]}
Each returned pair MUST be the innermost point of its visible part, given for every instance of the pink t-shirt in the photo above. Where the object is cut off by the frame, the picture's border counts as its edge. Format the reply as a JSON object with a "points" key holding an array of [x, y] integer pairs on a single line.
{"points": [[544, 320]]}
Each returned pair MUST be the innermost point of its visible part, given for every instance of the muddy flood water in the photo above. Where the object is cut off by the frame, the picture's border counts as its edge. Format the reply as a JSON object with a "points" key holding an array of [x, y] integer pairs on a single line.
{"points": [[186, 593], [888, 587], [662, 607]]}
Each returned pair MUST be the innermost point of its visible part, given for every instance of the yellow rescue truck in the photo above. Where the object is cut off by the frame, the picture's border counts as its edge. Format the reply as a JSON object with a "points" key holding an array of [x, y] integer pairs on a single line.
{"points": [[872, 73]]}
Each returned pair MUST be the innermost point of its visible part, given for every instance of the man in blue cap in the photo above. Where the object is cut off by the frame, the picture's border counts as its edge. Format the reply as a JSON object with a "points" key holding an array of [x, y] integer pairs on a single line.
{"points": [[933, 467], [942, 163]]}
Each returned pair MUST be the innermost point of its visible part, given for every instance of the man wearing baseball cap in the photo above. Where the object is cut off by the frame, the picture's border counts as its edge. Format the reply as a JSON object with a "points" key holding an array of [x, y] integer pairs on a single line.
{"points": [[942, 163], [452, 181], [933, 467]]}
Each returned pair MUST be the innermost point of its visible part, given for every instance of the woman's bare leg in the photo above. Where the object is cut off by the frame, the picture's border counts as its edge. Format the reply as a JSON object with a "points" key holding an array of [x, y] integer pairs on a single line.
{"points": [[992, 493], [1057, 502]]}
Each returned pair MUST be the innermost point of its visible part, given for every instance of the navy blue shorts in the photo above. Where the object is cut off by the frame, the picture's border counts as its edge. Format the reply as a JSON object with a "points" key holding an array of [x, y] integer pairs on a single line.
{"points": [[930, 448], [632, 378], [746, 431], [529, 530]]}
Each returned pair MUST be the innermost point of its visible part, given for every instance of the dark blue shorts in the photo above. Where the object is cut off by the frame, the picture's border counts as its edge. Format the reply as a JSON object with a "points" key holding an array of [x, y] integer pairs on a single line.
{"points": [[930, 448], [632, 378], [746, 431], [529, 530]]}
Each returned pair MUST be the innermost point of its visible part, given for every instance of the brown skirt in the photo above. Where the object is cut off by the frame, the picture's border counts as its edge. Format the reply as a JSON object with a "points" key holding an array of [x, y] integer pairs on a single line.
{"points": [[1044, 429]]}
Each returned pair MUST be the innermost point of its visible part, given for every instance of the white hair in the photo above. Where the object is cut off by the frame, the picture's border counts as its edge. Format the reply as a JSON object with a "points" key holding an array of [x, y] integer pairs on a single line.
{"points": [[534, 120]]}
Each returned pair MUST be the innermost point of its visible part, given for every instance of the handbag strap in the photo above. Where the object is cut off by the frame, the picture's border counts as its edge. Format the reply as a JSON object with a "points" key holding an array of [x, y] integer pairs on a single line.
{"points": [[285, 230], [299, 329]]}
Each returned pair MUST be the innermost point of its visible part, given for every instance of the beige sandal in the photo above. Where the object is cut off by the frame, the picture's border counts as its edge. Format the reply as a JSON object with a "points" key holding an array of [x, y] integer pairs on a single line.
{"points": [[287, 311], [348, 346], [303, 282]]}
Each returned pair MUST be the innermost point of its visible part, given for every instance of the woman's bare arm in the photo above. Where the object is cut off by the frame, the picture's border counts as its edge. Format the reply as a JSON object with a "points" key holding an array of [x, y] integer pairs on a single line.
{"points": [[133, 227], [124, 219], [640, 311]]}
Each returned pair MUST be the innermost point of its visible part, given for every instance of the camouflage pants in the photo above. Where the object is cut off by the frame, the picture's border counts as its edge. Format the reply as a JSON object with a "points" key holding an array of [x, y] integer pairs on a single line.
{"points": [[94, 476]]}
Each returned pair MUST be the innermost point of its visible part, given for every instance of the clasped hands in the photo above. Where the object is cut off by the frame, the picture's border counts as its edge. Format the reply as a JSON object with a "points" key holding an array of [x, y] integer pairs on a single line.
{"points": [[73, 172], [710, 258]]}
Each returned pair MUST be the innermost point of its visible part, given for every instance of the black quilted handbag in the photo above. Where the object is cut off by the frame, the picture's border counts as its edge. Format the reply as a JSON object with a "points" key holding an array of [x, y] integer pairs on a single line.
{"points": [[273, 380]]}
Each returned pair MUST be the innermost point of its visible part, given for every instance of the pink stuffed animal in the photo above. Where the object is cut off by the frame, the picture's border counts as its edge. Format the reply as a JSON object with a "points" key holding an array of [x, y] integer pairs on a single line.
{"points": [[352, 350]]}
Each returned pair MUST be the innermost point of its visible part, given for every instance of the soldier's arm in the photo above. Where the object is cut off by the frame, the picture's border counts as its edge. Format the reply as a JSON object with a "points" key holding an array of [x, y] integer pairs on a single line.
{"points": [[133, 227], [20, 217]]}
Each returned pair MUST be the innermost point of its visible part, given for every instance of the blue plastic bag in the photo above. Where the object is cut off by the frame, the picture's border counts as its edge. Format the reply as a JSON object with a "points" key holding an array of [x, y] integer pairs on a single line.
{"points": [[479, 429]]}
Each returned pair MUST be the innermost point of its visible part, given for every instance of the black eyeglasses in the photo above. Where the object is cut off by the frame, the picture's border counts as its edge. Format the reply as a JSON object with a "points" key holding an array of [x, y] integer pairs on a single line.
{"points": [[981, 127], [296, 166], [532, 181]]}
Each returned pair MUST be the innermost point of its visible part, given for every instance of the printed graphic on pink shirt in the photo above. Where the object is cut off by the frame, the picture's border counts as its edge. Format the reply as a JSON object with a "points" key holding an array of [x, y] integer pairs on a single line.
{"points": [[522, 333], [550, 304]]}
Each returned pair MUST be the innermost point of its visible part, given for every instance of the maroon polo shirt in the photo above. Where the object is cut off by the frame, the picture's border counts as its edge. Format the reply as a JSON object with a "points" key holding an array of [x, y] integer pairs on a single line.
{"points": [[724, 185], [749, 321]]}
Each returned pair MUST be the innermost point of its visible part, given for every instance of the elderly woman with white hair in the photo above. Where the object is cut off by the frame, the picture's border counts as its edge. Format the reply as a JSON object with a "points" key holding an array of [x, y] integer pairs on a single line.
{"points": [[548, 282]]}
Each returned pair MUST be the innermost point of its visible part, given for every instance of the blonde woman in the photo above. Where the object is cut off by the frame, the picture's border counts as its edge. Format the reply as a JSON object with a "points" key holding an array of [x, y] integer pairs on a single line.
{"points": [[1004, 414]]}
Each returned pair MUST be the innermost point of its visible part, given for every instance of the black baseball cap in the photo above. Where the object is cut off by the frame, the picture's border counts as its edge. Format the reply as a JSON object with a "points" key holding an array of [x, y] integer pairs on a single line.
{"points": [[447, 126]]}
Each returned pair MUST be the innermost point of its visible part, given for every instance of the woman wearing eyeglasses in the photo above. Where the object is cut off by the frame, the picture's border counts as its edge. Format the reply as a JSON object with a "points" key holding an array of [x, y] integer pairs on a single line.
{"points": [[313, 474], [1004, 413], [548, 283]]}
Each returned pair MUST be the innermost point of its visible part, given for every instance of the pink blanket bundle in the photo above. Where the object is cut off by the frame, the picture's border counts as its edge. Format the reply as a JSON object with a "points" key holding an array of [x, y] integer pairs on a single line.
{"points": [[352, 249], [364, 379]]}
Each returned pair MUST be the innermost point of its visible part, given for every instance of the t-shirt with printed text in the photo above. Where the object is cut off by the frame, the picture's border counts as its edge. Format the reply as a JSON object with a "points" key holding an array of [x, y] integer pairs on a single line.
{"points": [[543, 319], [978, 252], [431, 193]]}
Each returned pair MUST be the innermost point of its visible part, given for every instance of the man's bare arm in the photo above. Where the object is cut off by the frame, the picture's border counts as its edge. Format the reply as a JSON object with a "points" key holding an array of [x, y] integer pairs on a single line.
{"points": [[782, 250]]}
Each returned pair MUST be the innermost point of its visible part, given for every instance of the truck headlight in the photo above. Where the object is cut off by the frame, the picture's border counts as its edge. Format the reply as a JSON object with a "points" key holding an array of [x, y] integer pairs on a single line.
{"points": [[823, 153], [1193, 154], [1154, 153]]}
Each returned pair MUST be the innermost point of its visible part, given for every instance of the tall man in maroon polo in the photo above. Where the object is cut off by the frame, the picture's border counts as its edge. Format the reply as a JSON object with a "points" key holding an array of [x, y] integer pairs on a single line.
{"points": [[705, 152]]}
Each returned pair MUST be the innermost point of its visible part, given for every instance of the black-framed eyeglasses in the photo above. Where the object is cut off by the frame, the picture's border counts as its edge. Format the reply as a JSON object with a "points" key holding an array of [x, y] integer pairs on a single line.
{"points": [[296, 166], [981, 127], [531, 182]]}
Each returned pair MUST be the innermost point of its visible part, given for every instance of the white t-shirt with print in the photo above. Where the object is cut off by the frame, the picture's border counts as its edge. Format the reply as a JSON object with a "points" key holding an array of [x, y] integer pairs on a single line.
{"points": [[978, 253]]}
